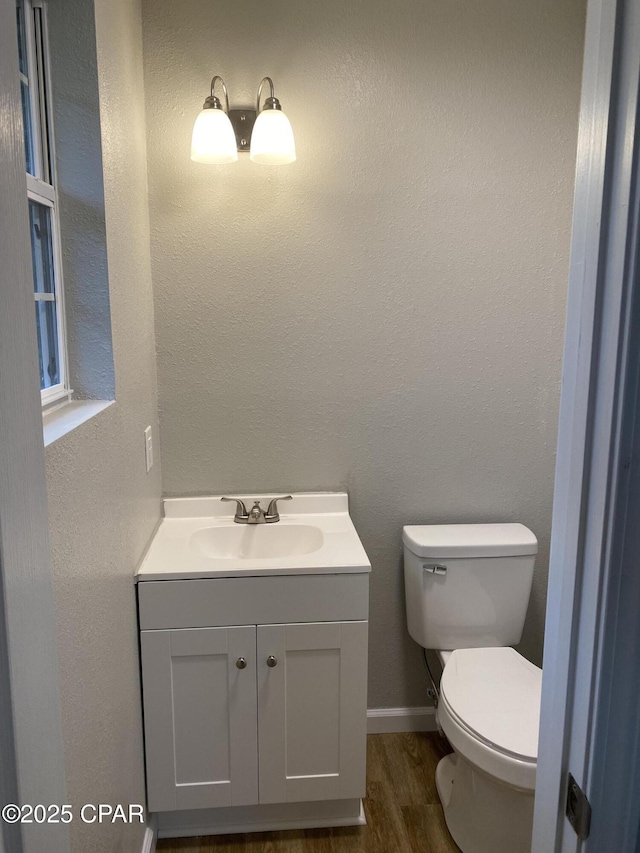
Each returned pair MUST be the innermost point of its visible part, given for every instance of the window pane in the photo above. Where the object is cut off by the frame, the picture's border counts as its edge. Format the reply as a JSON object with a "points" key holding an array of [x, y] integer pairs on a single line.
{"points": [[22, 47], [47, 326], [26, 90], [45, 291], [41, 247], [46, 167], [28, 129]]}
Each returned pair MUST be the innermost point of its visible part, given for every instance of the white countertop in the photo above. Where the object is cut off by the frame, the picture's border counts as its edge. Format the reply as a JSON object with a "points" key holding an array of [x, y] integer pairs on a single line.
{"points": [[173, 554]]}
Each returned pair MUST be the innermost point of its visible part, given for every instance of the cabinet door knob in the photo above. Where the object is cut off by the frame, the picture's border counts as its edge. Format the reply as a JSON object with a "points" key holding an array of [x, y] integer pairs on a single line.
{"points": [[272, 661], [241, 663]]}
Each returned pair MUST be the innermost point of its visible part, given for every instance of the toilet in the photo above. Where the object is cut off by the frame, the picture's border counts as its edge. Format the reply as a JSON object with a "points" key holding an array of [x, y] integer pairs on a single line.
{"points": [[467, 589]]}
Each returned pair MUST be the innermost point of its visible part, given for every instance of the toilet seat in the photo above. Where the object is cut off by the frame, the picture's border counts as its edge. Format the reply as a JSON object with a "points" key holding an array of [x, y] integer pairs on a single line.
{"points": [[490, 709]]}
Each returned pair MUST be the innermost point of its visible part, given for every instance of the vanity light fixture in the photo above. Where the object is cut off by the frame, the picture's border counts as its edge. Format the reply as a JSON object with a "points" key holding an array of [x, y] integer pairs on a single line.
{"points": [[219, 134], [213, 139], [272, 141]]}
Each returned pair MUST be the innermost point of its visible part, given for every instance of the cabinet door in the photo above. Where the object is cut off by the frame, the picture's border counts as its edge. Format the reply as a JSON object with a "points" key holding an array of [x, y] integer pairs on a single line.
{"points": [[312, 711], [200, 717]]}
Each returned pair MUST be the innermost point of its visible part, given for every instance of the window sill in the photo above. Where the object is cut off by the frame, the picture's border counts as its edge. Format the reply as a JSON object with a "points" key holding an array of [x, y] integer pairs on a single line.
{"points": [[65, 418]]}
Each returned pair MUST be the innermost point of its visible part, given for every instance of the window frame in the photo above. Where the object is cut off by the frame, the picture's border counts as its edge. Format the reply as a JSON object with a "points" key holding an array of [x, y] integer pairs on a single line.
{"points": [[42, 187]]}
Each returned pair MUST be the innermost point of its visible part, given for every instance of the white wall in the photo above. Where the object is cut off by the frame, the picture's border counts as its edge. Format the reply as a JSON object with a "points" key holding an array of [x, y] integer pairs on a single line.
{"points": [[385, 315], [103, 506]]}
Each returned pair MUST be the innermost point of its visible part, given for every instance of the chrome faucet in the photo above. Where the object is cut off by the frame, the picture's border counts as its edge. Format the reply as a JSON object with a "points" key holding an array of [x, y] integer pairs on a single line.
{"points": [[257, 515]]}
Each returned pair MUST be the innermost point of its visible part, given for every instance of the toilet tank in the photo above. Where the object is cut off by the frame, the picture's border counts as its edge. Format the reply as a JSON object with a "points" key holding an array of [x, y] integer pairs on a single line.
{"points": [[467, 585]]}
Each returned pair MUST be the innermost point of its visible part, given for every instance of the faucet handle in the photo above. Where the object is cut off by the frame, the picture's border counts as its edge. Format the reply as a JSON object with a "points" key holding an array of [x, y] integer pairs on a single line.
{"points": [[242, 514], [272, 513]]}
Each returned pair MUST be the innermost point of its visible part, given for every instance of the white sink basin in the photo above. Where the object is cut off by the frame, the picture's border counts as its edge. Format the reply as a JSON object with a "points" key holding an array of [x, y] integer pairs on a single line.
{"points": [[198, 538], [256, 541]]}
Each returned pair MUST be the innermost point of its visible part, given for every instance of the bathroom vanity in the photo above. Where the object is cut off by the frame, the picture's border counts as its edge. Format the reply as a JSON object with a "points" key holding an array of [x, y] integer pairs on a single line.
{"points": [[253, 645]]}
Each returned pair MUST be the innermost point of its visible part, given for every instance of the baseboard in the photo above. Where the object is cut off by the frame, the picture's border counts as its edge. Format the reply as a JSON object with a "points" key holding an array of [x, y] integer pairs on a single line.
{"points": [[384, 720], [261, 818], [150, 836]]}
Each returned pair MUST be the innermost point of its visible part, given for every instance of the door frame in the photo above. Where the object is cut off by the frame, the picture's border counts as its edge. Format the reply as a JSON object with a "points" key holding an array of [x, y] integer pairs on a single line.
{"points": [[593, 502], [31, 746]]}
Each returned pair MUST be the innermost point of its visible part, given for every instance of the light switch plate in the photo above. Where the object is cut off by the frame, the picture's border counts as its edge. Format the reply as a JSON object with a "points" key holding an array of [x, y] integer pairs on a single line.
{"points": [[148, 448]]}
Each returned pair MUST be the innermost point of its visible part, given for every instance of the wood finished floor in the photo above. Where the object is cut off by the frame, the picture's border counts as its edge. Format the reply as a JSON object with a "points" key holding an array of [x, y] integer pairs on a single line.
{"points": [[403, 811]]}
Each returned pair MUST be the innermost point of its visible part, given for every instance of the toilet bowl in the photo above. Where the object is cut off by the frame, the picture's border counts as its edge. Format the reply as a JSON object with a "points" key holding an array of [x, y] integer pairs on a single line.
{"points": [[467, 588], [489, 710]]}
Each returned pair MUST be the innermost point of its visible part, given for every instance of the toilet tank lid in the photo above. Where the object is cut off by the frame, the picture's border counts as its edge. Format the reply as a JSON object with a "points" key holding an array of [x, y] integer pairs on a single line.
{"points": [[469, 540]]}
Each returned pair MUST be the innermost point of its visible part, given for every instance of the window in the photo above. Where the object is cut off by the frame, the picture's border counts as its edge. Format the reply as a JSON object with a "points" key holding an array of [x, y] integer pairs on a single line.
{"points": [[42, 199]]}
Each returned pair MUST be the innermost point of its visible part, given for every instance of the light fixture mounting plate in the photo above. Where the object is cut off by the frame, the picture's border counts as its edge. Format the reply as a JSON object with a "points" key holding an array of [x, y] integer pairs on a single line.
{"points": [[242, 122]]}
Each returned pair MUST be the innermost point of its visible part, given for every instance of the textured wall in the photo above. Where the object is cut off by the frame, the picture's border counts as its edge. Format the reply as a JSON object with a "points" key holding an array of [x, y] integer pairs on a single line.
{"points": [[385, 315], [103, 506], [74, 81], [76, 113]]}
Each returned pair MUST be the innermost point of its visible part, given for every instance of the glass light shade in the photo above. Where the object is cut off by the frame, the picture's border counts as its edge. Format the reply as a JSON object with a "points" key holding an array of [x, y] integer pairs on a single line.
{"points": [[213, 139], [272, 140]]}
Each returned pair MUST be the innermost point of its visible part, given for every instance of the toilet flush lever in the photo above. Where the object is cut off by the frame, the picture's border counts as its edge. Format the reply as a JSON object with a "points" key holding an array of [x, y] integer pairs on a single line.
{"points": [[434, 568]]}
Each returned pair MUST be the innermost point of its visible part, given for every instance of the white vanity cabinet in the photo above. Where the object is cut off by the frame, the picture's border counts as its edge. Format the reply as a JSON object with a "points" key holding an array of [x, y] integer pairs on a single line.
{"points": [[200, 717], [254, 690], [312, 711]]}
